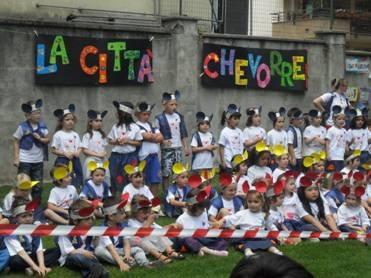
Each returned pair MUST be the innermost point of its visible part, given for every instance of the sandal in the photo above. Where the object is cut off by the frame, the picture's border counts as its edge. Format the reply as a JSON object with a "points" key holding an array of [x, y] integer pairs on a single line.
{"points": [[164, 259], [175, 255]]}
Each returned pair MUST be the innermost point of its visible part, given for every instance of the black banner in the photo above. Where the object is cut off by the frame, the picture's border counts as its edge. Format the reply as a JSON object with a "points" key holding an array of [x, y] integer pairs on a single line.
{"points": [[252, 68], [67, 60]]}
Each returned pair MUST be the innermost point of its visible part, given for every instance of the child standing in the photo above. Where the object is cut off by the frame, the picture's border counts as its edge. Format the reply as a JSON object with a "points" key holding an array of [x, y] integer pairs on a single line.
{"points": [[231, 137], [125, 137], [253, 133], [173, 128], [203, 144], [94, 143], [152, 138], [66, 144], [136, 185], [336, 139], [26, 252], [358, 134], [277, 135], [61, 196], [31, 145], [195, 217], [77, 252], [175, 196], [295, 138], [314, 134]]}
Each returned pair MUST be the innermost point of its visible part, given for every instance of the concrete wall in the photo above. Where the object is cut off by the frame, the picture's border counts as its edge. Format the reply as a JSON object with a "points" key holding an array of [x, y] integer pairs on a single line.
{"points": [[177, 56]]}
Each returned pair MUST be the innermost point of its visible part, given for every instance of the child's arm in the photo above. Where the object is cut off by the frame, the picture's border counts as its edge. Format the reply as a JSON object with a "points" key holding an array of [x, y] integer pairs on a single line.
{"points": [[221, 156], [185, 146], [127, 251], [44, 140], [40, 259], [123, 266], [150, 220], [16, 152], [318, 103], [88, 152], [30, 262], [55, 208], [292, 154], [176, 203], [327, 142], [331, 223]]}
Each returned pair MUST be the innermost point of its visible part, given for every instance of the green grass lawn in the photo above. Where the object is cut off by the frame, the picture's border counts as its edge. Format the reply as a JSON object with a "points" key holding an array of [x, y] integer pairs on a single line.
{"points": [[335, 259]]}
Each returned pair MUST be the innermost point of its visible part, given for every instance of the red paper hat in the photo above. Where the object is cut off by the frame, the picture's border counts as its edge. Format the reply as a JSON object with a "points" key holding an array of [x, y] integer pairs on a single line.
{"points": [[359, 191], [201, 196], [145, 203], [207, 189], [124, 200], [245, 187], [337, 176], [358, 176], [31, 206], [306, 181], [260, 186], [269, 178], [86, 212], [291, 174], [194, 181], [225, 179], [311, 175], [156, 202], [95, 203], [345, 190], [279, 186]]}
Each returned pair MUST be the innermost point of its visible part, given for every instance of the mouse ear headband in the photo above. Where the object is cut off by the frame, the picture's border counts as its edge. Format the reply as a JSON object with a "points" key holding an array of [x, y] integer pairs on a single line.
{"points": [[232, 110], [254, 111], [201, 117], [166, 96], [122, 107], [31, 106], [96, 115], [275, 115], [60, 113]]}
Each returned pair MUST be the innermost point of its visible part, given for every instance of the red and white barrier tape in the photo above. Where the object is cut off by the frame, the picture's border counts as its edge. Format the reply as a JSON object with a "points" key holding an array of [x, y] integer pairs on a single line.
{"points": [[64, 230]]}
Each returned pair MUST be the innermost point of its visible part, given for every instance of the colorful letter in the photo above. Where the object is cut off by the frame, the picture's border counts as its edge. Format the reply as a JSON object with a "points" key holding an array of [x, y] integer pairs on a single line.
{"points": [[263, 83], [145, 69], [226, 63], [116, 47], [254, 64], [297, 68], [40, 61], [58, 49], [89, 49], [131, 55], [211, 57], [275, 61], [286, 72], [239, 73], [102, 68]]}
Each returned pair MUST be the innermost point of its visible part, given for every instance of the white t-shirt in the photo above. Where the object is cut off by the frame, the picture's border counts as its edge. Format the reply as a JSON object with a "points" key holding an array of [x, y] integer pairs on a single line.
{"points": [[275, 137], [227, 204], [232, 141], [278, 172], [290, 140], [356, 216], [247, 220], [134, 223], [339, 100], [143, 190], [256, 172], [98, 189], [66, 247], [35, 154], [289, 207], [147, 147], [193, 222], [66, 141], [8, 201], [360, 139], [174, 124], [14, 246], [313, 206], [253, 133], [95, 143], [337, 138], [312, 132], [204, 159], [63, 197], [367, 193], [132, 133]]}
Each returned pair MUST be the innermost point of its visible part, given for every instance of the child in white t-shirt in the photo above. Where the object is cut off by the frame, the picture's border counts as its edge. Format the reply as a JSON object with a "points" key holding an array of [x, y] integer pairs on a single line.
{"points": [[336, 140], [253, 132], [277, 135], [66, 144], [359, 135], [282, 159], [203, 144], [314, 134], [61, 196], [94, 143], [239, 163], [231, 137], [260, 169]]}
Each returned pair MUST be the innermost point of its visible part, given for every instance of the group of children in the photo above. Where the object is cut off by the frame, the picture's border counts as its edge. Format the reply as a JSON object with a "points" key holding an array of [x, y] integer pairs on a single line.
{"points": [[305, 178]]}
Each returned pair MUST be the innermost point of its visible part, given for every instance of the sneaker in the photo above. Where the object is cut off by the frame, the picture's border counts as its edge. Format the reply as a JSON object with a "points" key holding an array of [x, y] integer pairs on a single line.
{"points": [[248, 252]]}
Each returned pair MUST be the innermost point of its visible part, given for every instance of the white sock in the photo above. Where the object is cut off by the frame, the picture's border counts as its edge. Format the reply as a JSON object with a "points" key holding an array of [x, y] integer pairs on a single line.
{"points": [[274, 250], [248, 252], [214, 252]]}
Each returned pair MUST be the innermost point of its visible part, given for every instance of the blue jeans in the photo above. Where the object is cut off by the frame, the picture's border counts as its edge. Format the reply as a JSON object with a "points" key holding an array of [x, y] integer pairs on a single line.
{"points": [[117, 161], [87, 267], [51, 256], [36, 172], [152, 171]]}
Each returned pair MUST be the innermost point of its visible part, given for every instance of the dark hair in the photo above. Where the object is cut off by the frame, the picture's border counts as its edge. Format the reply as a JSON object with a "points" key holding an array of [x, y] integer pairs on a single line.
{"points": [[339, 82], [77, 205], [267, 265], [89, 129], [124, 117], [255, 156], [306, 203], [192, 209], [60, 121], [224, 117], [198, 124], [19, 201], [353, 122], [249, 120]]}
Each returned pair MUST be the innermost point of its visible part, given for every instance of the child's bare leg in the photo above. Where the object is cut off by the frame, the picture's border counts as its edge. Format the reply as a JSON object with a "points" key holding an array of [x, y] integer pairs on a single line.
{"points": [[51, 215]]}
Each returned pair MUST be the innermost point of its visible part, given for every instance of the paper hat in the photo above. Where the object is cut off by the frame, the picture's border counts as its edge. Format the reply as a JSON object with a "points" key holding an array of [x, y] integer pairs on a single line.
{"points": [[307, 181], [352, 113], [279, 150], [144, 107], [225, 180], [277, 188], [61, 171], [134, 168], [24, 182], [83, 213], [201, 117], [22, 208], [31, 106], [208, 174], [95, 115], [232, 110], [274, 115], [295, 113], [337, 110], [315, 113], [195, 180], [291, 174], [337, 177], [355, 153], [121, 106], [145, 203], [309, 161], [178, 168], [261, 186], [239, 159], [356, 176], [261, 147], [317, 156], [199, 198], [357, 191], [120, 205], [60, 113], [93, 165], [166, 96], [254, 111]]}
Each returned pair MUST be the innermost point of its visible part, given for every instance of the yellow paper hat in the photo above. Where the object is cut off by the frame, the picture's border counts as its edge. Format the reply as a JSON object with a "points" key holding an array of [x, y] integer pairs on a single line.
{"points": [[356, 153], [279, 150], [321, 155], [24, 182], [240, 158], [93, 165], [308, 161], [179, 168], [60, 172], [261, 146], [209, 174], [367, 166], [131, 169]]}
